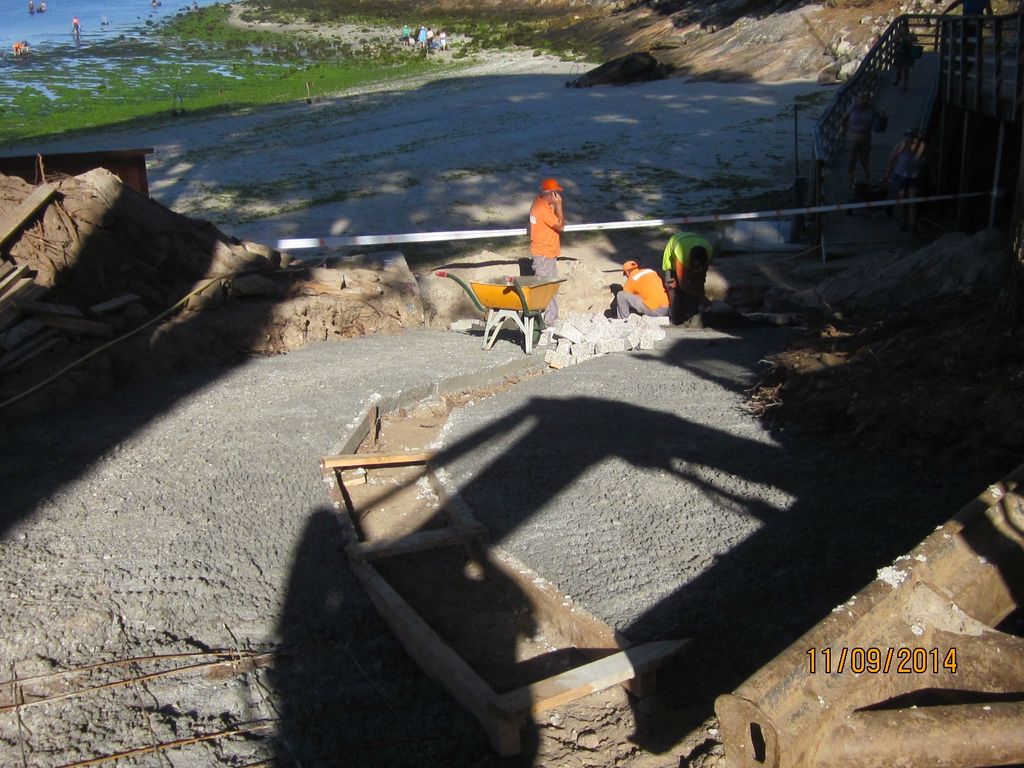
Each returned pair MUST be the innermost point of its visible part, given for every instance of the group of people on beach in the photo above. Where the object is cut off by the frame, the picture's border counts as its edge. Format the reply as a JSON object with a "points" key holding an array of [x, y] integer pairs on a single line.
{"points": [[425, 38], [32, 6]]}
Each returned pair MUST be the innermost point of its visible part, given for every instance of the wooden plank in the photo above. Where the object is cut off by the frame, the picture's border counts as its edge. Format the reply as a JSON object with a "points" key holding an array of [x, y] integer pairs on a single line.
{"points": [[116, 303], [48, 308], [338, 496], [20, 333], [26, 291], [14, 221], [36, 346], [355, 477], [78, 325], [414, 542], [354, 460], [439, 661], [18, 273], [596, 676], [6, 267]]}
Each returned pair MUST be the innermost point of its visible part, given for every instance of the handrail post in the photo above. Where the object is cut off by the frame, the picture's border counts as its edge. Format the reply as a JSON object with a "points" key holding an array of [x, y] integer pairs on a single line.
{"points": [[996, 175]]}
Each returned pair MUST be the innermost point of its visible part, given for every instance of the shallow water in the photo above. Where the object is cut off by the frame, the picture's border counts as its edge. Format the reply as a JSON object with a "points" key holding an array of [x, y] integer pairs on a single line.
{"points": [[113, 36], [52, 29]]}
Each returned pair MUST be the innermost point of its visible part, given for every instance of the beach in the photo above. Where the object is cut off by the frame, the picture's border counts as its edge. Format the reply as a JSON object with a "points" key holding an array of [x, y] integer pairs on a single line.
{"points": [[100, 20], [466, 151]]}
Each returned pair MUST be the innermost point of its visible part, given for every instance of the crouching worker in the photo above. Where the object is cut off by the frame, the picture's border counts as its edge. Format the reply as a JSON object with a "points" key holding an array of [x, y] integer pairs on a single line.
{"points": [[685, 264], [643, 293]]}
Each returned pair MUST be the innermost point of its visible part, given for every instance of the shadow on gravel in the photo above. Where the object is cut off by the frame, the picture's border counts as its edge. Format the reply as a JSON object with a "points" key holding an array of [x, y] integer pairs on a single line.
{"points": [[345, 697], [825, 521], [134, 246]]}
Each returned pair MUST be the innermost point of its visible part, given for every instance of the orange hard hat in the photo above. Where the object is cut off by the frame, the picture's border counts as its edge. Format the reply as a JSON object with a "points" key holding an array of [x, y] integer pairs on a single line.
{"points": [[550, 185], [629, 266]]}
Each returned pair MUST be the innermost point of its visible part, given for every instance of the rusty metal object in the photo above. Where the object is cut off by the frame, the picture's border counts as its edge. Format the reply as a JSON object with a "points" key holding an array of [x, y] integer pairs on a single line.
{"points": [[872, 683]]}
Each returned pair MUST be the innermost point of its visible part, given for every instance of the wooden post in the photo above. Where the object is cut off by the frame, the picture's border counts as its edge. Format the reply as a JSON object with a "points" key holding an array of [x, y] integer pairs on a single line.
{"points": [[963, 167], [996, 175], [14, 221]]}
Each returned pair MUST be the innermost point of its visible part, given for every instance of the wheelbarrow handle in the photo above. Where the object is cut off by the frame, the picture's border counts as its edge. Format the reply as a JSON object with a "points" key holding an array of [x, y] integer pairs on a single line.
{"points": [[466, 288]]}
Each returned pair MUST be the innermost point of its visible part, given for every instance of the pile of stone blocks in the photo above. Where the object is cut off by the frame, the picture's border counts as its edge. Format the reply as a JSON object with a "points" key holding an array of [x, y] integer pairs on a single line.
{"points": [[578, 337]]}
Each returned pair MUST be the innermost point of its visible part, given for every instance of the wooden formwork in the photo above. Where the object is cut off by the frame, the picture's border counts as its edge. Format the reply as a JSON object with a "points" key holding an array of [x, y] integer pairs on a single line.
{"points": [[501, 714]]}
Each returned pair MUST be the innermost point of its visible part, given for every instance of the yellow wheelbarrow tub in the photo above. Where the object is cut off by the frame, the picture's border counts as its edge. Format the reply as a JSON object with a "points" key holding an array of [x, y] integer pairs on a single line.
{"points": [[498, 293]]}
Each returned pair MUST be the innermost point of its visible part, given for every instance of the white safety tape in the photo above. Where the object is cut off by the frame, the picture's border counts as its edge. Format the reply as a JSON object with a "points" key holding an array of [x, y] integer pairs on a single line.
{"points": [[472, 234]]}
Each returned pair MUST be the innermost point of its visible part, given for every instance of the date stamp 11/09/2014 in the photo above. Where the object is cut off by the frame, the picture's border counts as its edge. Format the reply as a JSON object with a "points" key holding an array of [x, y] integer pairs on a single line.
{"points": [[876, 660]]}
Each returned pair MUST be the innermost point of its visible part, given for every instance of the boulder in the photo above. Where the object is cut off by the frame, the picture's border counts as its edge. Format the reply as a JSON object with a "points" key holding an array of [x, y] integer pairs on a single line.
{"points": [[631, 68]]}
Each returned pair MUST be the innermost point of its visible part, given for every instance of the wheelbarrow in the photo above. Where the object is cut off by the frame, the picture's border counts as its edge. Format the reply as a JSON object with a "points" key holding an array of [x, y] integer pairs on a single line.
{"points": [[521, 299]]}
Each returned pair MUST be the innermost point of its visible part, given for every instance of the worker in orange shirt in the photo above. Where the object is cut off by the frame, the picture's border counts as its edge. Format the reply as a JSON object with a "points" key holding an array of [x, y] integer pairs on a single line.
{"points": [[547, 221], [644, 293]]}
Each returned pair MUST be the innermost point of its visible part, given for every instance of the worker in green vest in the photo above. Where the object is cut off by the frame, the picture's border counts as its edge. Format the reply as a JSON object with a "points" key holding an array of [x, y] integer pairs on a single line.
{"points": [[685, 265]]}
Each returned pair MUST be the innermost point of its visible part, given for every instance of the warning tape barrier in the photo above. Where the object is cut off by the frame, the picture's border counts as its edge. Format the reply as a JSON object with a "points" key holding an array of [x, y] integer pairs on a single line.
{"points": [[473, 234]]}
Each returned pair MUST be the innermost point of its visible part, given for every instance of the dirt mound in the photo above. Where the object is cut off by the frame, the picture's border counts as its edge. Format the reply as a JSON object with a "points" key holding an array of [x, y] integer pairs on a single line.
{"points": [[943, 383], [103, 285]]}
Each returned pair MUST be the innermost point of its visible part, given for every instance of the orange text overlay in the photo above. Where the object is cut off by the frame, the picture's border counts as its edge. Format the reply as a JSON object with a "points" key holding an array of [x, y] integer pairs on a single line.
{"points": [[875, 660]]}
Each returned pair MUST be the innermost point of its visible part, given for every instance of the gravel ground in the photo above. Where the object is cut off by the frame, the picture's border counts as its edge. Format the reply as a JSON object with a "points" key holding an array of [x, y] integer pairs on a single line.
{"points": [[189, 516], [641, 486]]}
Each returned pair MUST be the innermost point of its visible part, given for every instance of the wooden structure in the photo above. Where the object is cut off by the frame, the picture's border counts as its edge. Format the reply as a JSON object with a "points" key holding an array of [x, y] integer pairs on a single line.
{"points": [[501, 714], [29, 326], [911, 671], [973, 117], [127, 164]]}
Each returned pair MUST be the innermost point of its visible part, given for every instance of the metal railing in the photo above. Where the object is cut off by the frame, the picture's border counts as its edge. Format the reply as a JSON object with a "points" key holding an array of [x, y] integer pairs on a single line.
{"points": [[980, 60], [878, 62], [980, 64]]}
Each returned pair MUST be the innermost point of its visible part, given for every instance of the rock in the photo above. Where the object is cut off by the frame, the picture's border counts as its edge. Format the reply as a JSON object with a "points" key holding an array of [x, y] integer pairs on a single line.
{"points": [[847, 69], [557, 359], [829, 74], [466, 325], [256, 286], [588, 740], [265, 251], [210, 296], [630, 68]]}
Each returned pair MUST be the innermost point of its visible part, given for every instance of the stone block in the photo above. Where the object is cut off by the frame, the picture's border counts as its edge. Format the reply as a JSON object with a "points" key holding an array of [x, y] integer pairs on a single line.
{"points": [[558, 360], [605, 346], [569, 332], [583, 349], [466, 324]]}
